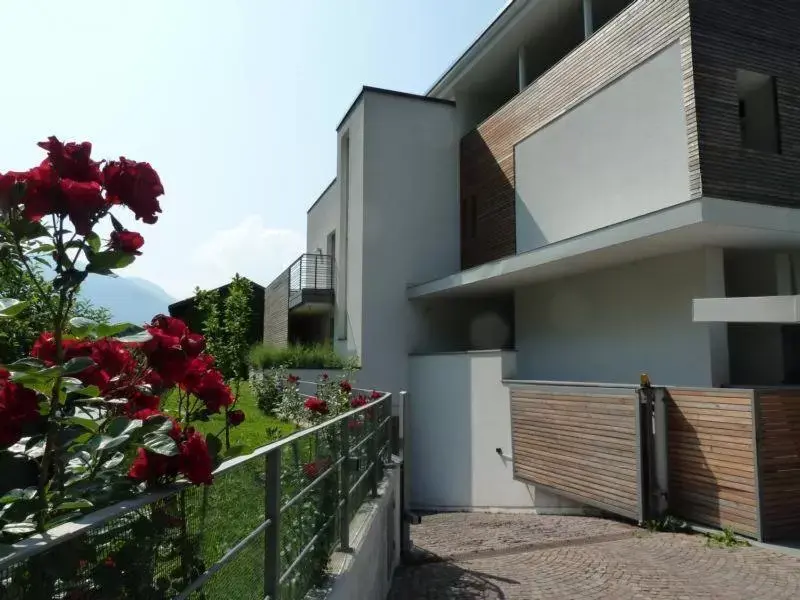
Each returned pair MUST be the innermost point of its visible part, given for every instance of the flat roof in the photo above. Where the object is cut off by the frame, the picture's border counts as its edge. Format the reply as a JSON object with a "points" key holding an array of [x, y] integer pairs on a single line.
{"points": [[325, 191]]}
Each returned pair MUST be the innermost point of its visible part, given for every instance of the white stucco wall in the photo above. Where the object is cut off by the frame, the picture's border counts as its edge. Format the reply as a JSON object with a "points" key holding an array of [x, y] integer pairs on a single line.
{"points": [[350, 236], [611, 325], [621, 154], [322, 219], [460, 414], [411, 223]]}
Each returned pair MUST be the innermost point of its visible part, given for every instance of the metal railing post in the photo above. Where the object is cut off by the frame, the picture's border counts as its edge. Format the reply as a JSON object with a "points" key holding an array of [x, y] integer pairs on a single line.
{"points": [[373, 453], [405, 477], [344, 489], [272, 512]]}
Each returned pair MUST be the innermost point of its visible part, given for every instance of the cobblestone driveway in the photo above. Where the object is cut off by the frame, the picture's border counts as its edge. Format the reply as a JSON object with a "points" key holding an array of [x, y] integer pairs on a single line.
{"points": [[465, 556]]}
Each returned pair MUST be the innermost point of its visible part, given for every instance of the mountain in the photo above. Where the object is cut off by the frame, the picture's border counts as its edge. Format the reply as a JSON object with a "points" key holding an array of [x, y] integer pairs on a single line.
{"points": [[130, 299]]}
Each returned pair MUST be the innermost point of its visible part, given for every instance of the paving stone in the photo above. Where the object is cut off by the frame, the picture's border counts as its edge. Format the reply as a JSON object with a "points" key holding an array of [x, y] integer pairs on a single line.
{"points": [[575, 563]]}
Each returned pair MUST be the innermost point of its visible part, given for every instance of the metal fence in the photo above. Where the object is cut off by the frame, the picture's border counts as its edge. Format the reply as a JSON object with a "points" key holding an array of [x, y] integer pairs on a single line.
{"points": [[265, 529], [311, 272]]}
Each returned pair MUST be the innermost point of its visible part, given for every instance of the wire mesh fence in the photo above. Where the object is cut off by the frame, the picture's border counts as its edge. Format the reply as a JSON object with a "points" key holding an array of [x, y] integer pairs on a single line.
{"points": [[265, 528]]}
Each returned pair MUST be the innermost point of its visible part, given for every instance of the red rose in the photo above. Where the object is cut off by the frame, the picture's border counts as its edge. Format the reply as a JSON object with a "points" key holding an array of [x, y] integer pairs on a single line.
{"points": [[375, 395], [4, 374], [359, 400], [138, 400], [193, 344], [82, 201], [170, 363], [235, 417], [150, 467], [292, 379], [72, 160], [195, 460], [213, 392], [316, 405], [324, 377], [113, 357], [346, 387], [170, 325], [18, 406], [313, 470], [126, 241], [153, 379], [196, 368], [135, 185], [44, 348]]}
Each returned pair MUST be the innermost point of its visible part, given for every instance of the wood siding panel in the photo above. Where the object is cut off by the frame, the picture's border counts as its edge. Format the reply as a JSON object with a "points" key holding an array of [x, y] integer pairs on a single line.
{"points": [[487, 154], [276, 311], [757, 36], [581, 442], [779, 462], [712, 477]]}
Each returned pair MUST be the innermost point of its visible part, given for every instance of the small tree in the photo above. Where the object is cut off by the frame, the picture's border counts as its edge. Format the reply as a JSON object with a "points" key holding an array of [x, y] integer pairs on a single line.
{"points": [[226, 325]]}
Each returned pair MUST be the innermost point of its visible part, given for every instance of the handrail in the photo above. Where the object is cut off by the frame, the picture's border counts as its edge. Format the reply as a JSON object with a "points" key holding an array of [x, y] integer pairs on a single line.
{"points": [[36, 543]]}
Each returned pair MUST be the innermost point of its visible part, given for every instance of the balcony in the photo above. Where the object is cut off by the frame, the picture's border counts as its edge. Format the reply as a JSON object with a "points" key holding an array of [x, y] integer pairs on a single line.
{"points": [[311, 283]]}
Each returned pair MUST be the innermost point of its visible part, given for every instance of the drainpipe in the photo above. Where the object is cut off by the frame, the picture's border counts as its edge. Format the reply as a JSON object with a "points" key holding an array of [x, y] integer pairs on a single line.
{"points": [[588, 24], [522, 70]]}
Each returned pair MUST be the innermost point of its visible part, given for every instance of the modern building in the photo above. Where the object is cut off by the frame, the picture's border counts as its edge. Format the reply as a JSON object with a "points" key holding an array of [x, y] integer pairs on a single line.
{"points": [[560, 198], [187, 310]]}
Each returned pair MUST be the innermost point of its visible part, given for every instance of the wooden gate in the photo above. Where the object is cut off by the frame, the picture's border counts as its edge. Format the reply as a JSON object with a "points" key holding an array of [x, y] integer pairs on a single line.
{"points": [[581, 442]]}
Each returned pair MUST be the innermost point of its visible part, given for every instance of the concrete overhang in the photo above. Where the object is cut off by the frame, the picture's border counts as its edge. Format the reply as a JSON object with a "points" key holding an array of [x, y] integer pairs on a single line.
{"points": [[763, 309], [707, 222]]}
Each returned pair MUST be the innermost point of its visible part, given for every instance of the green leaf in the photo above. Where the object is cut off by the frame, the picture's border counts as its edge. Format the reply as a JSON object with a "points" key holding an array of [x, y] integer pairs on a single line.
{"points": [[26, 365], [117, 225], [123, 426], [106, 442], [94, 241], [160, 444], [86, 424], [81, 327], [42, 248], [77, 364], [214, 444], [16, 494], [78, 504], [19, 528], [90, 391], [136, 338], [110, 259], [9, 307], [114, 461], [116, 329]]}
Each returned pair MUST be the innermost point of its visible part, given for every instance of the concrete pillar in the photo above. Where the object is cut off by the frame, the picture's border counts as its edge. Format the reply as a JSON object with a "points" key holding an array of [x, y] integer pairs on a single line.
{"points": [[717, 332], [588, 23], [522, 70]]}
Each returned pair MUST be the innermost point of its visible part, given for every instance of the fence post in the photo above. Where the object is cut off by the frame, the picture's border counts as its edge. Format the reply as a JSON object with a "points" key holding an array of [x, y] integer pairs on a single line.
{"points": [[405, 476], [373, 452], [272, 511], [344, 489]]}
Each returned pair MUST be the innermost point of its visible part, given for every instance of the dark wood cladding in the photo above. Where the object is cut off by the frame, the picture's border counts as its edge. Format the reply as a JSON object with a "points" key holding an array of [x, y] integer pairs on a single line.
{"points": [[779, 462], [276, 311], [487, 154], [763, 37]]}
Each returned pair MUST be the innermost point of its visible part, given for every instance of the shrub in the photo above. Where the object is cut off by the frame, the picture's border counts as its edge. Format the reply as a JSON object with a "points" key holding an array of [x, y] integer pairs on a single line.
{"points": [[318, 356]]}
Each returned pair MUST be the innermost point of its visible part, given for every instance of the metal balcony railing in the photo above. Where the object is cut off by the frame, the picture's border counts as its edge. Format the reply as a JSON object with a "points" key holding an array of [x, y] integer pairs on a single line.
{"points": [[310, 273]]}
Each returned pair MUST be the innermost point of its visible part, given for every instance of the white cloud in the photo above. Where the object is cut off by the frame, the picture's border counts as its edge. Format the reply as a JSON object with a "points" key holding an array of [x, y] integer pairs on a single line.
{"points": [[250, 248]]}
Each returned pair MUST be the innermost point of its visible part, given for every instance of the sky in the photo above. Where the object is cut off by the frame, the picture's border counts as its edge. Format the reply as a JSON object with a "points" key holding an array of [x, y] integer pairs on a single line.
{"points": [[234, 102]]}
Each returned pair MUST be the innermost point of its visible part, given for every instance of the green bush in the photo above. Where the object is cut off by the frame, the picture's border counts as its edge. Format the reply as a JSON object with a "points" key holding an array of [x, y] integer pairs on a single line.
{"points": [[318, 356]]}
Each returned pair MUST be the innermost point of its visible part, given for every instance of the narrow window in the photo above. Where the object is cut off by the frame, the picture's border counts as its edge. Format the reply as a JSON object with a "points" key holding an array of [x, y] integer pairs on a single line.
{"points": [[758, 111]]}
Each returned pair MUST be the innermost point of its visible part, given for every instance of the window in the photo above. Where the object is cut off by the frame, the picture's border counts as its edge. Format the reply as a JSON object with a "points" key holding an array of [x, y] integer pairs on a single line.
{"points": [[758, 111]]}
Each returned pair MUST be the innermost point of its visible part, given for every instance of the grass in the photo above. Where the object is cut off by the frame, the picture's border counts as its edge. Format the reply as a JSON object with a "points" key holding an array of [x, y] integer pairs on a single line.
{"points": [[725, 539], [318, 356]]}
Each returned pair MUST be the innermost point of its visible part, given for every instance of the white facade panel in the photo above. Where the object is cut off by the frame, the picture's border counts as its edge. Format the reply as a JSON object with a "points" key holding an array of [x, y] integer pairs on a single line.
{"points": [[621, 154], [460, 413], [611, 325], [323, 219]]}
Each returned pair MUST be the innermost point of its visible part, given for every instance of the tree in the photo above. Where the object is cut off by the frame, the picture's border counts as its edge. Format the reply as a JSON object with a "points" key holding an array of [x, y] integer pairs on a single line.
{"points": [[17, 335], [226, 324]]}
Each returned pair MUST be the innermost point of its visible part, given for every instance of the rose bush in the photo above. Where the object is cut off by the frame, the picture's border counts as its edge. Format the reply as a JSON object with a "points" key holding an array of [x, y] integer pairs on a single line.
{"points": [[84, 411]]}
